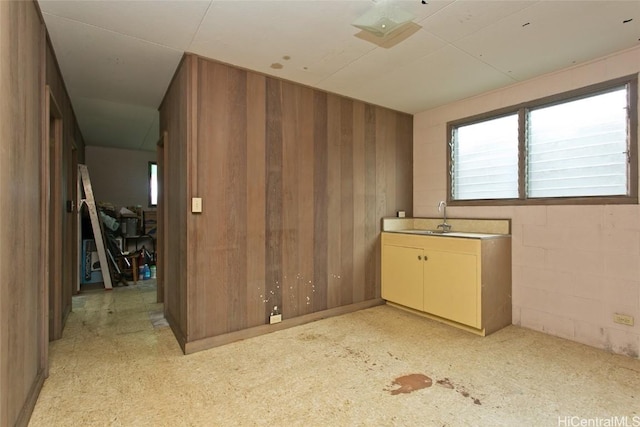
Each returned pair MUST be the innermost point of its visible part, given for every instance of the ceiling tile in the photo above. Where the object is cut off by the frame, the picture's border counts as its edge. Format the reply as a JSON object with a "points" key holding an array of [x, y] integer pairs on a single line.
{"points": [[106, 65], [380, 63], [118, 57], [315, 36], [553, 35], [168, 23], [113, 124], [430, 81], [465, 17]]}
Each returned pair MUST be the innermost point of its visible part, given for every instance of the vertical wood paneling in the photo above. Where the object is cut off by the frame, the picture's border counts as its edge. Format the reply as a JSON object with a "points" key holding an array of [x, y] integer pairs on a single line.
{"points": [[305, 224], [385, 173], [62, 127], [175, 120], [359, 209], [334, 210], [256, 196], [404, 164], [23, 195], [273, 189], [371, 228], [235, 215], [222, 227], [210, 279], [290, 237], [294, 183], [320, 201], [345, 164]]}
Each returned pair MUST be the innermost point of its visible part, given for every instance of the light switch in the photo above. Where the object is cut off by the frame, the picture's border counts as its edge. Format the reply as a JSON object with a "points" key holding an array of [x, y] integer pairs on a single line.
{"points": [[196, 204]]}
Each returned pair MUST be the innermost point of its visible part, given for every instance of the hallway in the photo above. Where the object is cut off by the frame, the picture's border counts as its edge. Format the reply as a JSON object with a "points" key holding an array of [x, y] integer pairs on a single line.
{"points": [[113, 367]]}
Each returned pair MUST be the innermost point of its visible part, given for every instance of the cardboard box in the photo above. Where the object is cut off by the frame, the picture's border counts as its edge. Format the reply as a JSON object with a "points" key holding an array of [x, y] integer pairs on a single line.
{"points": [[150, 222], [90, 267]]}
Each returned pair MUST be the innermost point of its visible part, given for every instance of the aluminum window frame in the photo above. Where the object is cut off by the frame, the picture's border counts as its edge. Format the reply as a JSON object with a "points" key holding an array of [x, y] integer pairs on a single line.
{"points": [[522, 109]]}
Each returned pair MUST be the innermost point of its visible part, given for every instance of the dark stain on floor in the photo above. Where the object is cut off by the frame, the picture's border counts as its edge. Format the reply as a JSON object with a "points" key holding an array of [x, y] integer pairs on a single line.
{"points": [[411, 383], [446, 383]]}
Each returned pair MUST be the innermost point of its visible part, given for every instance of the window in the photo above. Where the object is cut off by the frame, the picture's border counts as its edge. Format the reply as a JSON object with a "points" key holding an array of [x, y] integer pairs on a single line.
{"points": [[578, 147], [153, 184]]}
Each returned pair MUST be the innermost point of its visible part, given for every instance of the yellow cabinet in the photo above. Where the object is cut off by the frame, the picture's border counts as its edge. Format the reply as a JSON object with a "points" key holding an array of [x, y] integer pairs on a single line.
{"points": [[404, 270], [451, 286], [465, 282]]}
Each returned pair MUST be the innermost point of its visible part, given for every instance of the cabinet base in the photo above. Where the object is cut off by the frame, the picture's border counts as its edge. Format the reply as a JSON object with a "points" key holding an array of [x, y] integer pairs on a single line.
{"points": [[480, 332]]}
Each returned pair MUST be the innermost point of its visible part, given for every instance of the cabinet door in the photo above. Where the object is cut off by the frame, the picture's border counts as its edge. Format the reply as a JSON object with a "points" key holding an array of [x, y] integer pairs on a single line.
{"points": [[451, 286], [402, 275]]}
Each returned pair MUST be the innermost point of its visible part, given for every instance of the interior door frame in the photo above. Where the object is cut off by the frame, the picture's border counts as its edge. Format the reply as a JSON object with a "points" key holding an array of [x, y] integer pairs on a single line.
{"points": [[161, 212], [54, 127], [70, 239]]}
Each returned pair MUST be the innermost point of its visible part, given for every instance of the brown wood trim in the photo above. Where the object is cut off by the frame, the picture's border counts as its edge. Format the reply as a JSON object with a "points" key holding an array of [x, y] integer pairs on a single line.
{"points": [[55, 205], [633, 139], [192, 129], [211, 342], [44, 204], [32, 397], [160, 256], [175, 328]]}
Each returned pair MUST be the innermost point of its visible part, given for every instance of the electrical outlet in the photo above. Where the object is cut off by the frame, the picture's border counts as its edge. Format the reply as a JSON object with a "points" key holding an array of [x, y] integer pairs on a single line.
{"points": [[275, 318], [623, 319]]}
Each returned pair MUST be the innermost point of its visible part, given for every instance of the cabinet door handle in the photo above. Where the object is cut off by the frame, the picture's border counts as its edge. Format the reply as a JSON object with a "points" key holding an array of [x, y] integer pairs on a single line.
{"points": [[419, 258], [425, 257]]}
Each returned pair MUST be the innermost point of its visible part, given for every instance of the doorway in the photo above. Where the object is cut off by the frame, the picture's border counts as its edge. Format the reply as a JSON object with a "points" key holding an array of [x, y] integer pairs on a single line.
{"points": [[62, 220], [54, 135]]}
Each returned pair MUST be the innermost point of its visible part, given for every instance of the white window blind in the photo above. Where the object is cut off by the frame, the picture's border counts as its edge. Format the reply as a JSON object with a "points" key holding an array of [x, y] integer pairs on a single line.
{"points": [[485, 159], [578, 148]]}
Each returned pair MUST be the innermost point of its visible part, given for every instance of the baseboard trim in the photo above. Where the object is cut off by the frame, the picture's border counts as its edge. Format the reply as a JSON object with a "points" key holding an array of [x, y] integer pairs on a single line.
{"points": [[30, 402], [177, 332], [211, 342]]}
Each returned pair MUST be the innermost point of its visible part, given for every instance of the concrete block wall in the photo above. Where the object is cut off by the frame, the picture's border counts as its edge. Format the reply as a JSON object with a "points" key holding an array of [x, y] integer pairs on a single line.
{"points": [[574, 267]]}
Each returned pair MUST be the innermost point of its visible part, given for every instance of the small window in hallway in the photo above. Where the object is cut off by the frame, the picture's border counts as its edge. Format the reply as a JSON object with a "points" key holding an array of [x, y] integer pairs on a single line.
{"points": [[153, 184]]}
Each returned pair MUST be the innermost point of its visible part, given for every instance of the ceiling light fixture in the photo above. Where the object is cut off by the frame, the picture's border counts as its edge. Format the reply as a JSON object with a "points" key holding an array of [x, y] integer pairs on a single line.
{"points": [[383, 18]]}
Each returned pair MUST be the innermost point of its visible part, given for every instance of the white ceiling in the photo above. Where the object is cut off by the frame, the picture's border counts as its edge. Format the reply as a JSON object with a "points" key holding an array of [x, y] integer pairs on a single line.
{"points": [[118, 57]]}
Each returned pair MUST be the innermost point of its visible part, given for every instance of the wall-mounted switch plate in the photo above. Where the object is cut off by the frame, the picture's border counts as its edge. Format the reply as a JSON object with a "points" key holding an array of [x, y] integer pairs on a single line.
{"points": [[275, 318], [623, 319], [196, 205]]}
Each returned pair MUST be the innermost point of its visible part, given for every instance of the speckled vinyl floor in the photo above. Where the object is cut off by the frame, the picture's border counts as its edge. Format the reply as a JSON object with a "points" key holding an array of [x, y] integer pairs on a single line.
{"points": [[118, 364]]}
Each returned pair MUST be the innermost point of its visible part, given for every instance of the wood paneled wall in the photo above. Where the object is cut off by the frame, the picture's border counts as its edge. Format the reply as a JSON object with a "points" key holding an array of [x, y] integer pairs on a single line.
{"points": [[70, 151], [23, 270], [29, 199], [172, 273], [294, 183]]}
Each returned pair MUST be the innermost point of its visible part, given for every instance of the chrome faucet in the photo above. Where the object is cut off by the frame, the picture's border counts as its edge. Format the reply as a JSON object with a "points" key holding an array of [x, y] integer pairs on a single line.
{"points": [[442, 207]]}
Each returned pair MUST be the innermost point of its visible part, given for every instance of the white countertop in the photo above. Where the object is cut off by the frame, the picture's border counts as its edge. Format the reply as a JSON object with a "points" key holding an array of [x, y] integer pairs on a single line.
{"points": [[458, 234]]}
